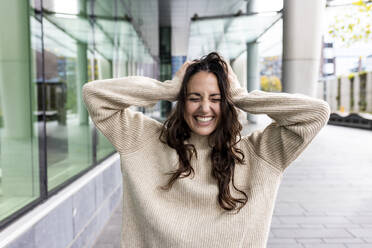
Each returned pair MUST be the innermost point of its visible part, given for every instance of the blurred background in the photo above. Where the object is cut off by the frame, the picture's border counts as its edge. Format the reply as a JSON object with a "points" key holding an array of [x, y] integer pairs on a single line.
{"points": [[60, 179]]}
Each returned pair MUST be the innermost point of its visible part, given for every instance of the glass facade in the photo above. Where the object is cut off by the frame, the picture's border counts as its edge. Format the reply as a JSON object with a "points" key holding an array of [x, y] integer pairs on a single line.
{"points": [[52, 48], [19, 125]]}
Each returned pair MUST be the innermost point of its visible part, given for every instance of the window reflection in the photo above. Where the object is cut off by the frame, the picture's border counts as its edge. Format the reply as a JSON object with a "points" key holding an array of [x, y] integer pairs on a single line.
{"points": [[69, 142], [43, 120], [19, 162]]}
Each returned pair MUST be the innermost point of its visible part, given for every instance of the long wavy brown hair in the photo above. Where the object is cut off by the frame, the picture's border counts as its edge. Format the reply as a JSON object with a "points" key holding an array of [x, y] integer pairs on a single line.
{"points": [[224, 153]]}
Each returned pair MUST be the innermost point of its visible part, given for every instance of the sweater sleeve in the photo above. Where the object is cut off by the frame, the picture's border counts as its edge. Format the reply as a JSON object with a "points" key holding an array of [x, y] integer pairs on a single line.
{"points": [[296, 121], [107, 102]]}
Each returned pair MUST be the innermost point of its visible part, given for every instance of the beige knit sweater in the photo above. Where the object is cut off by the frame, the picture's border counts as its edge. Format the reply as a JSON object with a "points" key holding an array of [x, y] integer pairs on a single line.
{"points": [[189, 215]]}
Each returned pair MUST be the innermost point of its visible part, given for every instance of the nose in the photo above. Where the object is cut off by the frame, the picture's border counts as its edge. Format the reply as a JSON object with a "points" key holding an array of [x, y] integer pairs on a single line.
{"points": [[205, 106]]}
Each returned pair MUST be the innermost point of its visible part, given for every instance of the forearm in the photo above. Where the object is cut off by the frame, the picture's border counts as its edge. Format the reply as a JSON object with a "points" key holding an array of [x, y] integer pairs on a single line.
{"points": [[284, 108], [120, 93], [107, 102], [297, 120]]}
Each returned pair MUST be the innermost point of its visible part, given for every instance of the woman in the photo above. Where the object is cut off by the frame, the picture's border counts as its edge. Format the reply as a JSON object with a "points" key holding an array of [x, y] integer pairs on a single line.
{"points": [[194, 181]]}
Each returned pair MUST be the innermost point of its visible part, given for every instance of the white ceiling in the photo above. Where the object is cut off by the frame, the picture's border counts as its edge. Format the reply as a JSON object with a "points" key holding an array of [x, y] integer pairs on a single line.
{"points": [[177, 13], [229, 35]]}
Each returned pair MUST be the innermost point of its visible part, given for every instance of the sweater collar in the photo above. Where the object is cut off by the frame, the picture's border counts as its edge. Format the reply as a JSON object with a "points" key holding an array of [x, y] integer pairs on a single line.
{"points": [[199, 141]]}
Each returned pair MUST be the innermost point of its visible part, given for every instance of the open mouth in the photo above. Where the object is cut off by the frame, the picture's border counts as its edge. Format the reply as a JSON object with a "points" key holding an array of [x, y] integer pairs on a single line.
{"points": [[204, 120]]}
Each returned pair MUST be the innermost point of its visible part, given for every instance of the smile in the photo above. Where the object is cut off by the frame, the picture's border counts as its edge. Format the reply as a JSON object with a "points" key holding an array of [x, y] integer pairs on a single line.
{"points": [[204, 120]]}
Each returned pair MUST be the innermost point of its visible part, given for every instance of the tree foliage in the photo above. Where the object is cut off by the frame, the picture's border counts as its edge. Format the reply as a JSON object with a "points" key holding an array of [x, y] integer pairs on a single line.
{"points": [[354, 26], [271, 84]]}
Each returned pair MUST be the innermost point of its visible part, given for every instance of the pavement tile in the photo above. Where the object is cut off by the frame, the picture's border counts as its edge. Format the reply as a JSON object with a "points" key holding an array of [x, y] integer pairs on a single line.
{"points": [[345, 241], [358, 245], [311, 233], [324, 246], [342, 225], [361, 232], [309, 241], [362, 219], [284, 246], [282, 241], [281, 225], [313, 219]]}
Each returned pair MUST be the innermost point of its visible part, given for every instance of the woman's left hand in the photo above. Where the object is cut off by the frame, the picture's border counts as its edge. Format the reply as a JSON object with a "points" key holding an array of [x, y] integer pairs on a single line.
{"points": [[235, 86]]}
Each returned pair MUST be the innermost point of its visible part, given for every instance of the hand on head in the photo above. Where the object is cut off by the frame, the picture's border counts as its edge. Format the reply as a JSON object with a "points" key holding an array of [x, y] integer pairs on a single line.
{"points": [[181, 72], [231, 76]]}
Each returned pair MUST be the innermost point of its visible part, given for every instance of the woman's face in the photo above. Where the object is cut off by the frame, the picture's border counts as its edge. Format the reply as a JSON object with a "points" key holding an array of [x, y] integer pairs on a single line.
{"points": [[202, 106]]}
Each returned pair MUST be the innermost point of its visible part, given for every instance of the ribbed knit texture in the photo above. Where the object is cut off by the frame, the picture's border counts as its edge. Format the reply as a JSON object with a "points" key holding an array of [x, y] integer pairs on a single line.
{"points": [[189, 215]]}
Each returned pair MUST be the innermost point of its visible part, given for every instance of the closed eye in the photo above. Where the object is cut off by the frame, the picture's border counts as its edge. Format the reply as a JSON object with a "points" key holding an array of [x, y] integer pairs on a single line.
{"points": [[197, 99]]}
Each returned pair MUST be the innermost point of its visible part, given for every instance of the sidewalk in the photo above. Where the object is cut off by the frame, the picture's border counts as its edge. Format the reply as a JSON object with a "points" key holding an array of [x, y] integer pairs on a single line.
{"points": [[324, 201]]}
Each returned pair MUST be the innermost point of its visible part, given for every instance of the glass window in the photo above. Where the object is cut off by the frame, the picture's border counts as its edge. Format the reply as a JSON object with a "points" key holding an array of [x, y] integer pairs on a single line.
{"points": [[19, 125], [45, 59], [68, 133]]}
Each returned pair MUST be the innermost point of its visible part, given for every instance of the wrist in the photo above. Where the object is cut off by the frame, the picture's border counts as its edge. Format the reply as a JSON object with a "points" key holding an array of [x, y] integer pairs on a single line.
{"points": [[172, 88]]}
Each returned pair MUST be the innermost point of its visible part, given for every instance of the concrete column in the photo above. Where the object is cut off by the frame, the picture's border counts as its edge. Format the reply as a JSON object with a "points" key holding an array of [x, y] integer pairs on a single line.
{"points": [[345, 94], [356, 94], [119, 68], [328, 92], [110, 69], [16, 90], [125, 69], [136, 68], [253, 73], [369, 92], [130, 67], [81, 79], [120, 64], [104, 68], [239, 66], [140, 68], [320, 90], [302, 30], [331, 94]]}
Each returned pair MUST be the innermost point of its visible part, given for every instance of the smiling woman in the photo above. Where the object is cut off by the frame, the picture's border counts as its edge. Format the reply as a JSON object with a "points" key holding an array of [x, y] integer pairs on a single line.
{"points": [[229, 199], [205, 111]]}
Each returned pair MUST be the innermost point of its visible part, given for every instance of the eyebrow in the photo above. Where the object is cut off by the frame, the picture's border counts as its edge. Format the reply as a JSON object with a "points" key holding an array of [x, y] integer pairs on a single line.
{"points": [[195, 93]]}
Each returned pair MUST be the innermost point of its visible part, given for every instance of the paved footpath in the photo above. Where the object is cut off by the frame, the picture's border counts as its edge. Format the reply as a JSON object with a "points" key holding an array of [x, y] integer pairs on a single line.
{"points": [[324, 201]]}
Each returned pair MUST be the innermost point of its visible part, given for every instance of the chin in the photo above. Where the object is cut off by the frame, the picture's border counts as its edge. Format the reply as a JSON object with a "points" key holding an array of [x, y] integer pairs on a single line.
{"points": [[203, 132]]}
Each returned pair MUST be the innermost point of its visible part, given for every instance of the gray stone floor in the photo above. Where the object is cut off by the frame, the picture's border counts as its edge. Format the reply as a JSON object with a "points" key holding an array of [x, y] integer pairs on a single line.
{"points": [[324, 201]]}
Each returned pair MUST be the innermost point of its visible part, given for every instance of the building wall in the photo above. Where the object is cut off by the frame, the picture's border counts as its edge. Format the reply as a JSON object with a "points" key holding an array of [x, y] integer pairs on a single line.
{"points": [[72, 218], [48, 50]]}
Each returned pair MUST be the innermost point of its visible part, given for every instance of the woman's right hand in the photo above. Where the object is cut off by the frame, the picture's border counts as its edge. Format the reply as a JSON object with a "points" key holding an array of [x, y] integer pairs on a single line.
{"points": [[176, 82], [181, 72]]}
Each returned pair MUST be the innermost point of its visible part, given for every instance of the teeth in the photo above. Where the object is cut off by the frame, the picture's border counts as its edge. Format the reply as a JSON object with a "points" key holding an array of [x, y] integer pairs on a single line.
{"points": [[204, 119]]}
